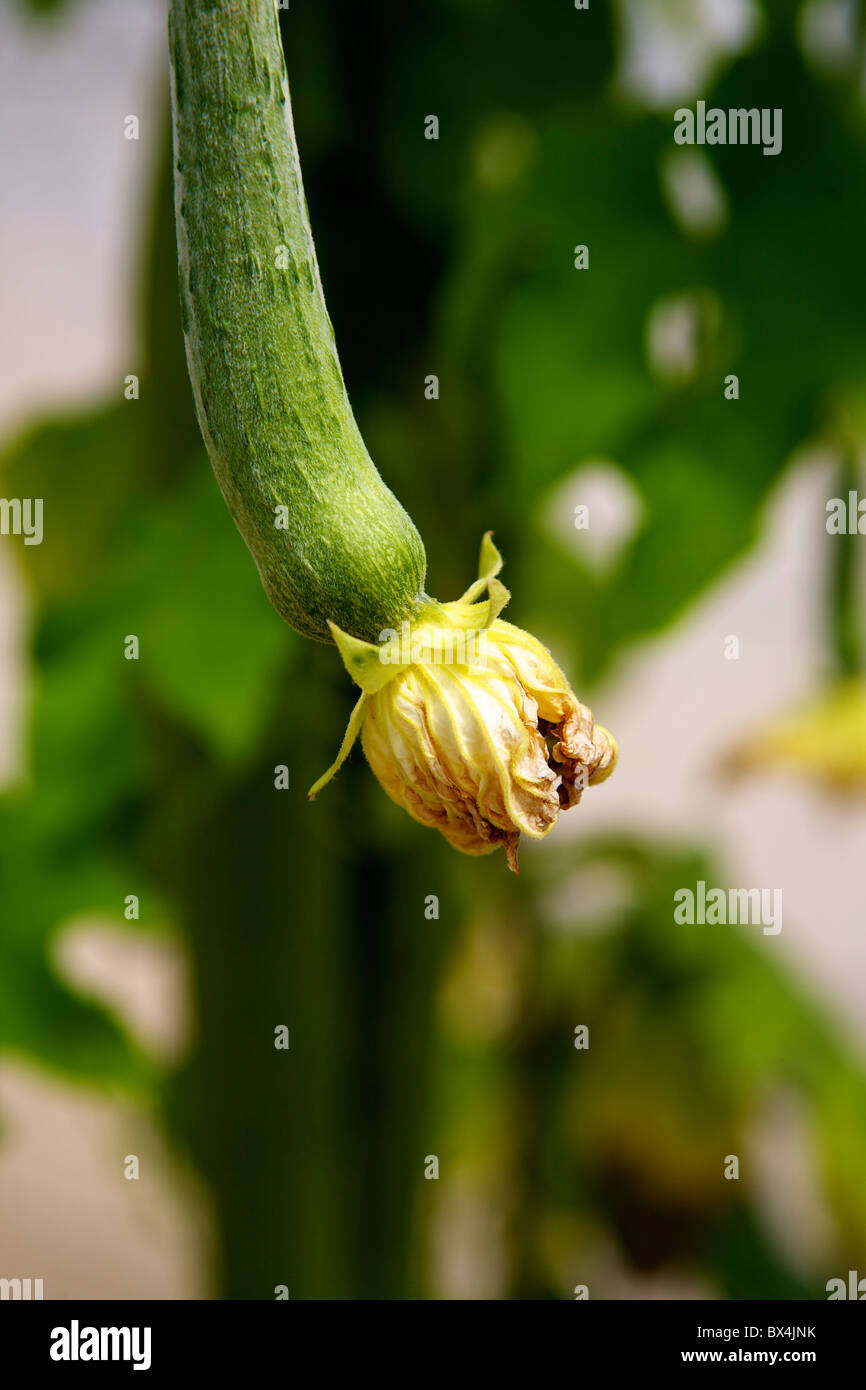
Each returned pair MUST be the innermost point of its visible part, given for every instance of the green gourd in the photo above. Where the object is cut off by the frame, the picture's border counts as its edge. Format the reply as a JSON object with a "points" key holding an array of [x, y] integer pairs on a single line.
{"points": [[330, 540]]}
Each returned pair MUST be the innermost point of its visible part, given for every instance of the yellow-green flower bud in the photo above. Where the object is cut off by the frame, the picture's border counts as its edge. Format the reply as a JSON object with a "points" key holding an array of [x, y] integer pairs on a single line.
{"points": [[470, 725]]}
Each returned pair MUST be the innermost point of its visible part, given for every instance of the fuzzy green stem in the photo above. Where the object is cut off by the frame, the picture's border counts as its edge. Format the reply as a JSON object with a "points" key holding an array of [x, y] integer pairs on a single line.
{"points": [[330, 540]]}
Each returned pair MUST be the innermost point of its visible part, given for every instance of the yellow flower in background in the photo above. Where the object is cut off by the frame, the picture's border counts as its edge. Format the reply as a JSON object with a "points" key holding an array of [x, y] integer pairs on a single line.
{"points": [[825, 740], [469, 724]]}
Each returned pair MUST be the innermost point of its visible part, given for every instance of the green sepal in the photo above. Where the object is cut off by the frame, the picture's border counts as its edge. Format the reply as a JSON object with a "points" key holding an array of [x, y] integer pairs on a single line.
{"points": [[475, 616], [490, 562], [499, 597], [353, 729], [363, 661]]}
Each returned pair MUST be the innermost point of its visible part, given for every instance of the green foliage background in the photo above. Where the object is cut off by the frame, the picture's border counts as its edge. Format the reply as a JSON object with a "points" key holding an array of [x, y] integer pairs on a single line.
{"points": [[156, 776]]}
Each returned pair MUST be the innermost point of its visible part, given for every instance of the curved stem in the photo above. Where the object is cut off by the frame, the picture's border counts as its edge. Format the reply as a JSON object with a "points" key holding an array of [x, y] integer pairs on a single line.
{"points": [[329, 538]]}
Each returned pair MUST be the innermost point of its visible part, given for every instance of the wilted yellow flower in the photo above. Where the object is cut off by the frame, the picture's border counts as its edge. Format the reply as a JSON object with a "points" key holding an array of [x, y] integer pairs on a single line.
{"points": [[469, 724], [825, 740]]}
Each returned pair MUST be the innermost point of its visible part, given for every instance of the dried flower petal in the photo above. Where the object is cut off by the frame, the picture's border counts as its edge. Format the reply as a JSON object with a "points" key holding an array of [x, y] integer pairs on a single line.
{"points": [[482, 740]]}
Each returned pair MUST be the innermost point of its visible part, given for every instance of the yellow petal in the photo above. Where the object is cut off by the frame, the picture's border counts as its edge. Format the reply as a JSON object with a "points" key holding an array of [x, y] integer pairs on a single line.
{"points": [[482, 750]]}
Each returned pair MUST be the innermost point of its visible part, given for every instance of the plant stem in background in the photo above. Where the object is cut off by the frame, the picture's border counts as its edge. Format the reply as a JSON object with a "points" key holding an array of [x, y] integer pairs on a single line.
{"points": [[846, 632]]}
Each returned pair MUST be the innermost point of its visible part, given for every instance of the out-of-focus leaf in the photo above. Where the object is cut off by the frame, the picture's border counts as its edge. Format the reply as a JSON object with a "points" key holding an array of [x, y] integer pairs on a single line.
{"points": [[120, 558], [571, 352], [39, 1016]]}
